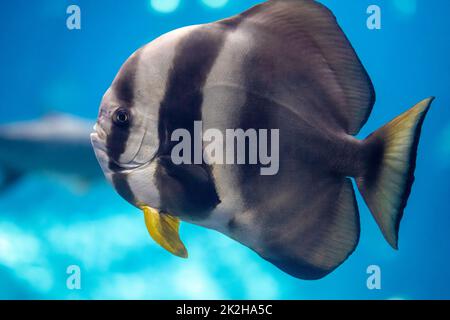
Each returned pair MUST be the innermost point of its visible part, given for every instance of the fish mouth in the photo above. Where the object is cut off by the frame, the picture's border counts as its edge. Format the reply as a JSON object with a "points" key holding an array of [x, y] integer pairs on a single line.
{"points": [[99, 131], [102, 155], [98, 141], [98, 138]]}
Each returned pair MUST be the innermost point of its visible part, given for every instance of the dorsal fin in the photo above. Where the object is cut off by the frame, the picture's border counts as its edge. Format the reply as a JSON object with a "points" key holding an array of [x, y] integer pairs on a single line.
{"points": [[312, 30]]}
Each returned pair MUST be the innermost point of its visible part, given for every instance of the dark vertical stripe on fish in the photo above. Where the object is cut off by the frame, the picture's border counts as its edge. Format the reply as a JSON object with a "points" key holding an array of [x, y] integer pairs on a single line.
{"points": [[256, 113], [181, 107], [120, 182], [123, 87], [116, 143]]}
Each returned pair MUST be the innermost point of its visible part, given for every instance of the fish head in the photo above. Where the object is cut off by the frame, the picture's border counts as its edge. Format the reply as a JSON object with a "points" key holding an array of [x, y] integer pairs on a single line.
{"points": [[125, 137], [127, 142]]}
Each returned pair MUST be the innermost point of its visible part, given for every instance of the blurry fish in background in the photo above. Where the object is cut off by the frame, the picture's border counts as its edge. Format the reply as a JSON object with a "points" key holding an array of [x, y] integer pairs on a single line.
{"points": [[56, 144], [282, 64]]}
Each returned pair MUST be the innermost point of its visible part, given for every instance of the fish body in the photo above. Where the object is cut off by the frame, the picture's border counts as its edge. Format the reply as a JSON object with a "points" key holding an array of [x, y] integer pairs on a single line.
{"points": [[57, 144], [285, 65]]}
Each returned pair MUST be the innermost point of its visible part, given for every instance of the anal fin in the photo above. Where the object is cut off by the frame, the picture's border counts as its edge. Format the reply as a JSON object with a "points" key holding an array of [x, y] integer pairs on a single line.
{"points": [[326, 232]]}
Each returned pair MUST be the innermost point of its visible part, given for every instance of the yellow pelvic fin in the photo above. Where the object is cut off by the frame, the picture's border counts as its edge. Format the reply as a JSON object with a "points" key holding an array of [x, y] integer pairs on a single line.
{"points": [[163, 228]]}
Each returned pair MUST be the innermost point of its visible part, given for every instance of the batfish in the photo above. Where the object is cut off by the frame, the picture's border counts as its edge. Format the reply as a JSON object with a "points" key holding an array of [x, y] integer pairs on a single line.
{"points": [[283, 65]]}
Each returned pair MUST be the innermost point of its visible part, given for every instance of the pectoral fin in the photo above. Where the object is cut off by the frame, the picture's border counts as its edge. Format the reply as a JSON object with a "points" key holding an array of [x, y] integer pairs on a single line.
{"points": [[163, 228]]}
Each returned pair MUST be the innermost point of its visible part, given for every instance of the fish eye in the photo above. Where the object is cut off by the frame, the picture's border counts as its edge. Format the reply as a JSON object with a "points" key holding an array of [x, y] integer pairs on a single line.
{"points": [[121, 117]]}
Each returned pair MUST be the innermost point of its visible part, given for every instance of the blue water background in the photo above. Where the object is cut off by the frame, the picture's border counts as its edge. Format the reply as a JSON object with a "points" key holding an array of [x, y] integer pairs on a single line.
{"points": [[47, 224]]}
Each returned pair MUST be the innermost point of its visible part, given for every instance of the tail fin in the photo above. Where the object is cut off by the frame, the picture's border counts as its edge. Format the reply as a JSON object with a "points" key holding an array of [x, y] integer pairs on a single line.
{"points": [[389, 175]]}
